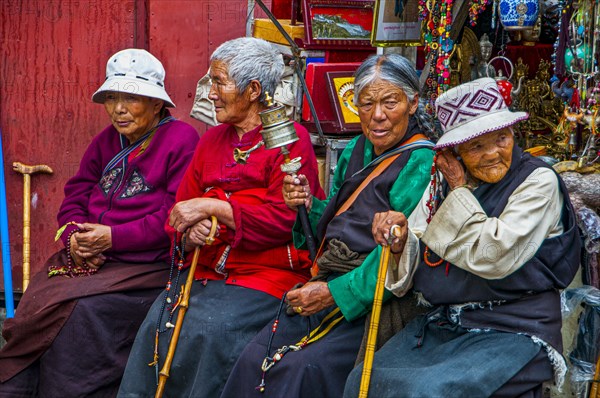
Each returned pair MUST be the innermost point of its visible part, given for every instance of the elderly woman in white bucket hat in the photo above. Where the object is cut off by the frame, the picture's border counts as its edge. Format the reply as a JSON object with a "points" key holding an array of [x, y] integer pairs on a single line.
{"points": [[490, 247], [77, 320]]}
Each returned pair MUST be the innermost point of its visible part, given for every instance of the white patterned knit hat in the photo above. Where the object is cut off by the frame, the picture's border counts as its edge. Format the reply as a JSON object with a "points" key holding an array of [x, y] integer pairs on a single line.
{"points": [[473, 109]]}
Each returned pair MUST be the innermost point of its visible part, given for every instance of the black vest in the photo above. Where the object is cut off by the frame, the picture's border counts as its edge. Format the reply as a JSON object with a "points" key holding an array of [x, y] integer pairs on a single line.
{"points": [[353, 227], [531, 293]]}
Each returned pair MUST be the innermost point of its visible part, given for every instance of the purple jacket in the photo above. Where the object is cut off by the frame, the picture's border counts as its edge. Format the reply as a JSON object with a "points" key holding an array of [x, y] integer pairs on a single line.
{"points": [[135, 202]]}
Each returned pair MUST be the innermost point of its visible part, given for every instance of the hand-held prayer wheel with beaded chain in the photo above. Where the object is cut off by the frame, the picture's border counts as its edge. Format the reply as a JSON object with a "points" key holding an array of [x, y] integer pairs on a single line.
{"points": [[278, 131]]}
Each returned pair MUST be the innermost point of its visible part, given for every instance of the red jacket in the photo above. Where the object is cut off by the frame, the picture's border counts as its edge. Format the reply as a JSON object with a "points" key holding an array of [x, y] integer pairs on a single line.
{"points": [[261, 255]]}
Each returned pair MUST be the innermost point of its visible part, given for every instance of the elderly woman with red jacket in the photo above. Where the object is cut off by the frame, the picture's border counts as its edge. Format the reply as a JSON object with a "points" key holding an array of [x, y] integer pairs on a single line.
{"points": [[242, 276]]}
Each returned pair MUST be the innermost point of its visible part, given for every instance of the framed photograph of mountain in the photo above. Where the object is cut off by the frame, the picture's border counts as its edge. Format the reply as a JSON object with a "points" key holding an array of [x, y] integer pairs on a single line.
{"points": [[396, 23], [338, 24]]}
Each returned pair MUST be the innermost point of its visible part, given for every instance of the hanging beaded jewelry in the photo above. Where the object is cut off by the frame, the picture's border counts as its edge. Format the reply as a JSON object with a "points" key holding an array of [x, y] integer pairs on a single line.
{"points": [[477, 7], [437, 18], [70, 270], [435, 194], [494, 13], [433, 190], [172, 296], [326, 325]]}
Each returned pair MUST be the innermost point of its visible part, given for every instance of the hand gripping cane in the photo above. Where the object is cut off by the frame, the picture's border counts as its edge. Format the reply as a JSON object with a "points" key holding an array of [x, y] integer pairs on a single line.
{"points": [[183, 306], [27, 171], [375, 314]]}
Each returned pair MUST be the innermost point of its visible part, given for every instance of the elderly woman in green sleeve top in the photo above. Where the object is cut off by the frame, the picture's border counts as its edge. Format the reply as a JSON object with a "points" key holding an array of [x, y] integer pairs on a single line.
{"points": [[386, 168]]}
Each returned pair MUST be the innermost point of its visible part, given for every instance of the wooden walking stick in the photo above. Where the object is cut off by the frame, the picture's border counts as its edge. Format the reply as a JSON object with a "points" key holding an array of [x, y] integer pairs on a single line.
{"points": [[183, 306], [27, 171], [365, 379], [594, 391]]}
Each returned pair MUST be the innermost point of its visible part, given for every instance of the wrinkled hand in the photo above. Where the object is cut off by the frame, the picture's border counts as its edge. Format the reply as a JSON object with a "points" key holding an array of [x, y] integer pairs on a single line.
{"points": [[95, 261], [296, 192], [91, 240], [187, 213], [382, 222], [91, 262], [311, 298], [196, 235], [77, 259], [451, 168], [190, 212]]}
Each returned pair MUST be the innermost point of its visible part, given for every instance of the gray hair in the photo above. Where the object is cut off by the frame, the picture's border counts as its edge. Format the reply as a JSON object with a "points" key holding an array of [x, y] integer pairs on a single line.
{"points": [[397, 70], [249, 58]]}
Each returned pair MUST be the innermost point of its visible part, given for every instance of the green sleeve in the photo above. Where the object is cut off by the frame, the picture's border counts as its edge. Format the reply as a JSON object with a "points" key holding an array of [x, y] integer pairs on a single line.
{"points": [[353, 292], [318, 206]]}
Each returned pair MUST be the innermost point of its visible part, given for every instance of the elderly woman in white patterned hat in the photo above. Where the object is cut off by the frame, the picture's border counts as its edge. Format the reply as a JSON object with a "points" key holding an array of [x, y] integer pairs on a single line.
{"points": [[490, 245], [77, 320]]}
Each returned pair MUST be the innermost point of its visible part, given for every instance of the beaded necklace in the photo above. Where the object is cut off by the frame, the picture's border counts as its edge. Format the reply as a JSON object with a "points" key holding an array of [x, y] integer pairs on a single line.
{"points": [[435, 196], [70, 270], [328, 323], [172, 295]]}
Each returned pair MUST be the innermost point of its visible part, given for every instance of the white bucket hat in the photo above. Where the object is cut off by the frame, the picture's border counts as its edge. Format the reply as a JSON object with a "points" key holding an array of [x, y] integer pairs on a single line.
{"points": [[134, 71], [473, 109]]}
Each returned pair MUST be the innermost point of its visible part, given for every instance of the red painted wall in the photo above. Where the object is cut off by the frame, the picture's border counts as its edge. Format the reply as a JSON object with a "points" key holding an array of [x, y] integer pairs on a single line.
{"points": [[52, 58]]}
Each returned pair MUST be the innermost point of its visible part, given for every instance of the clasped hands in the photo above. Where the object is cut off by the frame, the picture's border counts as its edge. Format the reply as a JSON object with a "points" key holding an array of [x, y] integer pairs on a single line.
{"points": [[89, 243], [193, 217]]}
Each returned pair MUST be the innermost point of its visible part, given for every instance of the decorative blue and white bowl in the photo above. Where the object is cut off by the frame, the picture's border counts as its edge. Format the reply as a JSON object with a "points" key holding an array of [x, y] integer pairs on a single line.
{"points": [[518, 14]]}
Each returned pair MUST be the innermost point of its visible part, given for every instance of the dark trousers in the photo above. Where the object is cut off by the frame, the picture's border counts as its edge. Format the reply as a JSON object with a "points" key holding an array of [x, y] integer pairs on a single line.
{"points": [[88, 356]]}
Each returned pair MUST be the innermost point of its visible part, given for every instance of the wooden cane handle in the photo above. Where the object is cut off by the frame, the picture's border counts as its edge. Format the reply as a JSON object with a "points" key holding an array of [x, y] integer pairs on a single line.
{"points": [[210, 239], [395, 231], [31, 169]]}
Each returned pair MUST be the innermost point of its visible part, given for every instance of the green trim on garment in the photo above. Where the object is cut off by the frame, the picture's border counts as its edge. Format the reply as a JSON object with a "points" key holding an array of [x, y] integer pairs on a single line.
{"points": [[353, 291]]}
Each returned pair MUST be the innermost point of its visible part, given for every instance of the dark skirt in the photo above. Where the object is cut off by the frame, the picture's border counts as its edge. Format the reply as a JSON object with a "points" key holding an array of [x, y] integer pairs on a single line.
{"points": [[453, 362], [220, 321], [70, 337], [318, 370], [88, 356]]}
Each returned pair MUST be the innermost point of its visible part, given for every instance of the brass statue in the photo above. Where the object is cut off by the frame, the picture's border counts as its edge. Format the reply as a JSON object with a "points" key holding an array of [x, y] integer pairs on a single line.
{"points": [[464, 57], [544, 126]]}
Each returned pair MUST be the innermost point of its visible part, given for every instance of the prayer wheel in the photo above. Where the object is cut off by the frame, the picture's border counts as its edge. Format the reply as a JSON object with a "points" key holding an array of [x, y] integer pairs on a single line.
{"points": [[278, 130]]}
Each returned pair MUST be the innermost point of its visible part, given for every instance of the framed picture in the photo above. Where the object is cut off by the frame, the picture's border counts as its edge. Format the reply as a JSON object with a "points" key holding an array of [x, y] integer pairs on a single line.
{"points": [[396, 23], [341, 90], [337, 24]]}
